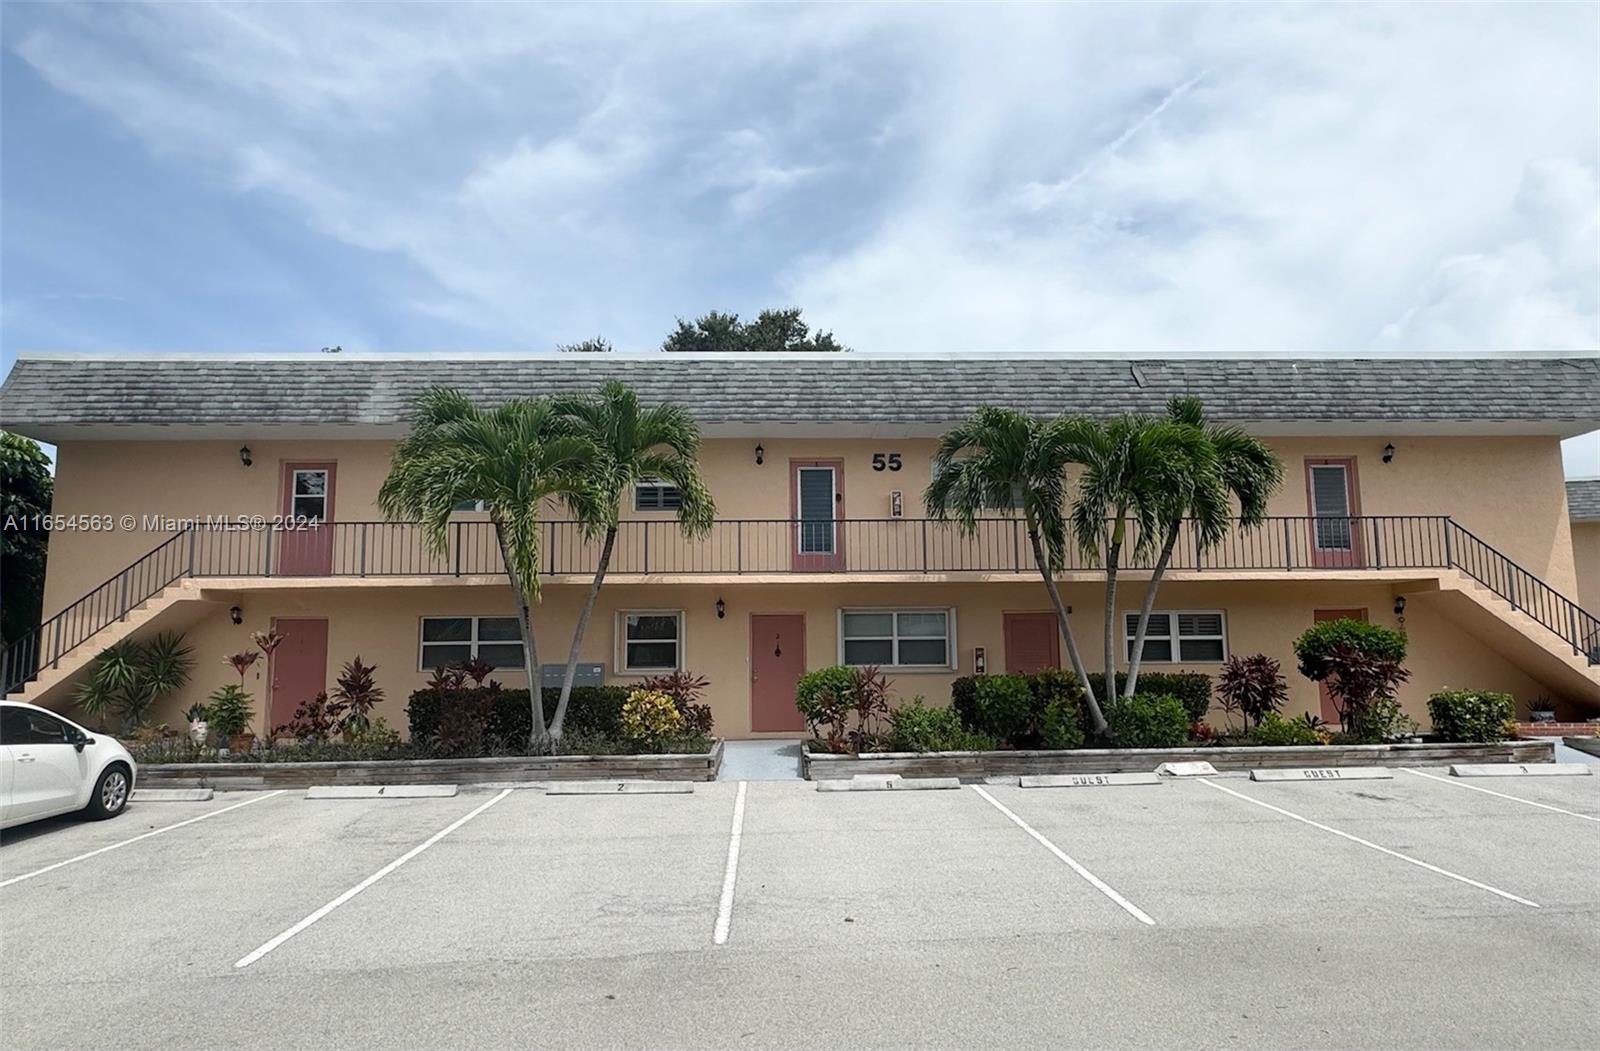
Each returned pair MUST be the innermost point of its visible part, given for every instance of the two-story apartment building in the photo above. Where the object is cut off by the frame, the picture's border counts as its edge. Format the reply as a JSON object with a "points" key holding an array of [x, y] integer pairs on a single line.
{"points": [[1421, 492]]}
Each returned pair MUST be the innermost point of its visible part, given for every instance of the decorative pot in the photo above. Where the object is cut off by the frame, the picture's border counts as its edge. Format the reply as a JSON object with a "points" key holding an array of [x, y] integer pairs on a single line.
{"points": [[241, 743], [198, 730]]}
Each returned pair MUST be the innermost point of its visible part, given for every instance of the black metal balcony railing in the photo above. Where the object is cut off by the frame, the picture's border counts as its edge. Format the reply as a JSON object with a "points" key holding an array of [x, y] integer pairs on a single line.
{"points": [[780, 546]]}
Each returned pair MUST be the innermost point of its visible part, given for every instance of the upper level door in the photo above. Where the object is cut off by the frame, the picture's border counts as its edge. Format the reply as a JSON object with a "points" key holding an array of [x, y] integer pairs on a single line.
{"points": [[818, 488], [306, 547], [1335, 509]]}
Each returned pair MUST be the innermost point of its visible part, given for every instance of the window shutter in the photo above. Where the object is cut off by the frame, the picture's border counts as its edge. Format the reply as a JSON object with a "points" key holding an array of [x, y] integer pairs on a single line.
{"points": [[1329, 493]]}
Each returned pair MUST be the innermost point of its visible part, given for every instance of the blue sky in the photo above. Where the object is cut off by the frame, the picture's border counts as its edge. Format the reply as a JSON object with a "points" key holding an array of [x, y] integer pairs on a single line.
{"points": [[1118, 177]]}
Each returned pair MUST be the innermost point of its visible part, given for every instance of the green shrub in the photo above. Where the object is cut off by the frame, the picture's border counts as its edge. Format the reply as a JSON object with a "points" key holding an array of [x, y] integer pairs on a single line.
{"points": [[229, 711], [1061, 724], [1361, 664], [509, 718], [1274, 729], [1148, 720], [916, 728], [1004, 704], [1317, 643], [1471, 715], [964, 699], [844, 707], [1377, 722], [816, 693], [1191, 688]]}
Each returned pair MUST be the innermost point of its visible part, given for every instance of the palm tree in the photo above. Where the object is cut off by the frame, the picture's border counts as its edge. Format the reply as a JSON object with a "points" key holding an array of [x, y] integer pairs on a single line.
{"points": [[1130, 466], [1002, 458], [1221, 465], [512, 458], [632, 445]]}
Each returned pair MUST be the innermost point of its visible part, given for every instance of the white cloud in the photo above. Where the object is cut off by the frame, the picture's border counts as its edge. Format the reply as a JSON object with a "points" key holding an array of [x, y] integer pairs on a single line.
{"points": [[1095, 177]]}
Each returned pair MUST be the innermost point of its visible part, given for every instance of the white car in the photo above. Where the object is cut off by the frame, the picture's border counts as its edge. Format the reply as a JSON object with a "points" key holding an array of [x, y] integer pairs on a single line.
{"points": [[50, 765]]}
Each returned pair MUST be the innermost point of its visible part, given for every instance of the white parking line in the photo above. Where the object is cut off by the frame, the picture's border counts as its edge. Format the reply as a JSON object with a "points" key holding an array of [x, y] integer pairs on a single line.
{"points": [[1367, 843], [1502, 795], [730, 875], [1095, 881], [279, 939], [135, 839]]}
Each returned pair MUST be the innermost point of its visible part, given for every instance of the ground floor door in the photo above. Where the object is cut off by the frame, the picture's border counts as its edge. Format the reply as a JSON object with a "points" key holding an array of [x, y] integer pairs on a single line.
{"points": [[777, 660], [1033, 642], [1330, 714], [298, 670]]}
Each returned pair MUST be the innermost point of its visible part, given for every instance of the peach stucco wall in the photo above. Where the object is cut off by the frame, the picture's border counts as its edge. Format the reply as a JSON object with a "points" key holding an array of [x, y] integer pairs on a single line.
{"points": [[380, 623], [1586, 559], [1508, 489]]}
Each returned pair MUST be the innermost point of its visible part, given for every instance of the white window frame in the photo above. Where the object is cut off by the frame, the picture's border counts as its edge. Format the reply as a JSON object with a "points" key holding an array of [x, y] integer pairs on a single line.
{"points": [[1130, 622], [952, 660], [295, 496], [471, 641], [835, 473], [477, 508], [655, 483], [619, 657]]}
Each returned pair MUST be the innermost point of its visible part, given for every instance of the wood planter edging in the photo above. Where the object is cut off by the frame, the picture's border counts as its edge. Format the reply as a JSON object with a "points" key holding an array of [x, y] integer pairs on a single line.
{"points": [[977, 765], [1587, 745], [682, 767]]}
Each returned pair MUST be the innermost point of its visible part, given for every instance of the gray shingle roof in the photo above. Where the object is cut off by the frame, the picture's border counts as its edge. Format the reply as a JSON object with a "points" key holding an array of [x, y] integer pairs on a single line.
{"points": [[56, 392], [1583, 499]]}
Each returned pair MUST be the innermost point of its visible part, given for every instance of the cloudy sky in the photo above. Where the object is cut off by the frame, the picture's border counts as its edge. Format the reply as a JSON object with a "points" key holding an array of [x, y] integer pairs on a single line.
{"points": [[1124, 177]]}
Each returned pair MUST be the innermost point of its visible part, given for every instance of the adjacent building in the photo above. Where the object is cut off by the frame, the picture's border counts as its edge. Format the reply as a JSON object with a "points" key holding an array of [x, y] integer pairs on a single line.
{"points": [[1424, 493]]}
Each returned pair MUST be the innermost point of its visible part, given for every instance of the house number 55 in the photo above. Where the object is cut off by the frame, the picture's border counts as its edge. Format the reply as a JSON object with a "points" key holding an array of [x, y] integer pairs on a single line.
{"points": [[889, 460]]}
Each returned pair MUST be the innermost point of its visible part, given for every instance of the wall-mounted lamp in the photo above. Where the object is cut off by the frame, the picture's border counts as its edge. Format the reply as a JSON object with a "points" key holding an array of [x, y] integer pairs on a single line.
{"points": [[761, 456], [979, 664], [244, 455], [1388, 453], [236, 614], [722, 609], [1400, 606]]}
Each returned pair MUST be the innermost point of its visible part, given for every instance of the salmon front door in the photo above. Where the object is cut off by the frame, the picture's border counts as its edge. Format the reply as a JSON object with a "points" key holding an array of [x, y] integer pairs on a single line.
{"points": [[1033, 643], [1335, 506], [306, 548], [1330, 713], [818, 488], [777, 660], [298, 668]]}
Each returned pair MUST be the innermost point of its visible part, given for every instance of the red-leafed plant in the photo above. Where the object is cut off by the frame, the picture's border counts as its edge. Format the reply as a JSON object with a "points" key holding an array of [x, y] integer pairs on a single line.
{"points": [[1251, 687], [267, 641], [686, 690], [242, 662], [477, 669], [314, 721], [357, 694]]}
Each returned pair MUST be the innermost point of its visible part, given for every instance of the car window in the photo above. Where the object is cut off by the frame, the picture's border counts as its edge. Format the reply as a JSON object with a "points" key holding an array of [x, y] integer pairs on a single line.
{"points": [[13, 725], [46, 729]]}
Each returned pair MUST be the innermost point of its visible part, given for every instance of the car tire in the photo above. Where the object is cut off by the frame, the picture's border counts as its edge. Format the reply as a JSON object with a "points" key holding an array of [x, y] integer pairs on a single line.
{"points": [[111, 791]]}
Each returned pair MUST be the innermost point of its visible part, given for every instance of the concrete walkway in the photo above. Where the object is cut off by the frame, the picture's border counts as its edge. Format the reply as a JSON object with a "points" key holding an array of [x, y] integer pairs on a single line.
{"points": [[766, 760]]}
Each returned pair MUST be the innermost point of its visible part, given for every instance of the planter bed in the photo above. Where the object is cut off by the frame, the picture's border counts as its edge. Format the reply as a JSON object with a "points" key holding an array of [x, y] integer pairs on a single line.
{"points": [[696, 767], [1588, 745], [974, 766]]}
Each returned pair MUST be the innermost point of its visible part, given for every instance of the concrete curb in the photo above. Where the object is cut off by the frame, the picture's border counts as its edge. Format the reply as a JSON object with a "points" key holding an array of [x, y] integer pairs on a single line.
{"points": [[171, 795], [625, 788], [1521, 770], [381, 791], [1085, 780], [889, 784], [1323, 773]]}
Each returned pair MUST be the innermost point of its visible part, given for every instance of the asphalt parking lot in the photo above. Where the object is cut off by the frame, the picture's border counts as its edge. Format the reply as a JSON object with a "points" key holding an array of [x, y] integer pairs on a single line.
{"points": [[1412, 912]]}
